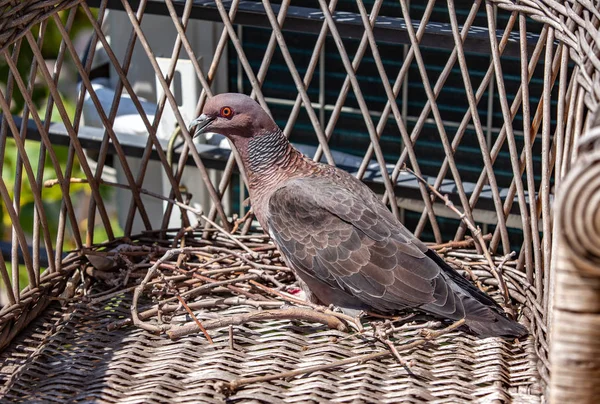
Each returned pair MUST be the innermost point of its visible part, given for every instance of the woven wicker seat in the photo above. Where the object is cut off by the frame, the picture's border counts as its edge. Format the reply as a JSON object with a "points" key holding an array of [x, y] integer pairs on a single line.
{"points": [[139, 281], [80, 356]]}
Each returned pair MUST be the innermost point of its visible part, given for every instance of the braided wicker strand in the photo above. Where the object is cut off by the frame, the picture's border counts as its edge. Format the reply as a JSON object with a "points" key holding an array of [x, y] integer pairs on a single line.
{"points": [[575, 352]]}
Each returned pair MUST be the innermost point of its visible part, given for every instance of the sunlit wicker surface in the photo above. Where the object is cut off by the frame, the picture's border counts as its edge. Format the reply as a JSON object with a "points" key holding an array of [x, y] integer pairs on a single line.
{"points": [[69, 356], [71, 353]]}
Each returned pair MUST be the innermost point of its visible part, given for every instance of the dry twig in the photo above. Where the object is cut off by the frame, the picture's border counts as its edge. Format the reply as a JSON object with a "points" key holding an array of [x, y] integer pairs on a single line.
{"points": [[229, 236], [138, 290], [355, 322], [240, 221], [201, 304], [191, 313], [295, 313], [469, 242]]}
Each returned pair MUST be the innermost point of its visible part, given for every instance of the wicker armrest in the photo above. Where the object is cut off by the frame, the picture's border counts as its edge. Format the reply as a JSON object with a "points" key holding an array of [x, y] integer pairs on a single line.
{"points": [[575, 352]]}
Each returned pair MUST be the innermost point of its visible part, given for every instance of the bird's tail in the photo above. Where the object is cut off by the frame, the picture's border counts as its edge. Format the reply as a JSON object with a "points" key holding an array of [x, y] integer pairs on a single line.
{"points": [[500, 326], [484, 317]]}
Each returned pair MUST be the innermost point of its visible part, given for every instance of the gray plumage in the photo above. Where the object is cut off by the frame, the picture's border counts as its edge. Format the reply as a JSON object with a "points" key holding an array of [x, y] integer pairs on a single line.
{"points": [[337, 235]]}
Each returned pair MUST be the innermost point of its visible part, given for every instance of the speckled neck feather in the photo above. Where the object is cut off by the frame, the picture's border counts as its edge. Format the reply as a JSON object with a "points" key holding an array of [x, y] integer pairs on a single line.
{"points": [[268, 150], [270, 161]]}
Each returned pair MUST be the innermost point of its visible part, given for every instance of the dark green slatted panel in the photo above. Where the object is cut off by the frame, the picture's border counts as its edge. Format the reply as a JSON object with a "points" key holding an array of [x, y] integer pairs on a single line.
{"points": [[350, 134]]}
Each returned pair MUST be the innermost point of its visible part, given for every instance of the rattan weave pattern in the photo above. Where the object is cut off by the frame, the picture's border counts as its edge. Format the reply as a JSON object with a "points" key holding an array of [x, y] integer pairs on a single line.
{"points": [[17, 17], [67, 355]]}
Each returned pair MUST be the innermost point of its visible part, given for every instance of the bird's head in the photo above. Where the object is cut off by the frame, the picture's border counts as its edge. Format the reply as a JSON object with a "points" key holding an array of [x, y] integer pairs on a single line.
{"points": [[233, 115]]}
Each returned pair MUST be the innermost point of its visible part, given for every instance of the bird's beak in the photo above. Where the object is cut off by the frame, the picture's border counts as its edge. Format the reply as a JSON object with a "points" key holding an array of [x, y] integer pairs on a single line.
{"points": [[200, 123]]}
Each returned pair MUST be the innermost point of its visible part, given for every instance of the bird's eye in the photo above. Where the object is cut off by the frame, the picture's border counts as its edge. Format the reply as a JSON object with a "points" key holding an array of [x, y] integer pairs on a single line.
{"points": [[226, 112]]}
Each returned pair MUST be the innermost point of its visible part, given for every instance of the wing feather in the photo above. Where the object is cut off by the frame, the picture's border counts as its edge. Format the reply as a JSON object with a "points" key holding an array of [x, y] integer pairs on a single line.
{"points": [[340, 235]]}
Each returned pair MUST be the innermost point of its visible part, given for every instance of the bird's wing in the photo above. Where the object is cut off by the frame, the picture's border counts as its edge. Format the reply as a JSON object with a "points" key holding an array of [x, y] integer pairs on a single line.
{"points": [[344, 236]]}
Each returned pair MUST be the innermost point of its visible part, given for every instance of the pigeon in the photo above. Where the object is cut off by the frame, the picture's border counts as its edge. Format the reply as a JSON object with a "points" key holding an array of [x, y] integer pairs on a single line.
{"points": [[344, 245]]}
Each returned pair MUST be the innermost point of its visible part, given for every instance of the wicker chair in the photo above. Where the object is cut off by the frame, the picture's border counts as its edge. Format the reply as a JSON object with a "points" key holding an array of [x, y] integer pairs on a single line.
{"points": [[118, 320]]}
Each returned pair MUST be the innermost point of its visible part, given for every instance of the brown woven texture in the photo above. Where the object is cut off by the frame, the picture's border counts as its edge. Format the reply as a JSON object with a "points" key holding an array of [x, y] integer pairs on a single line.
{"points": [[74, 353], [17, 17], [71, 357]]}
